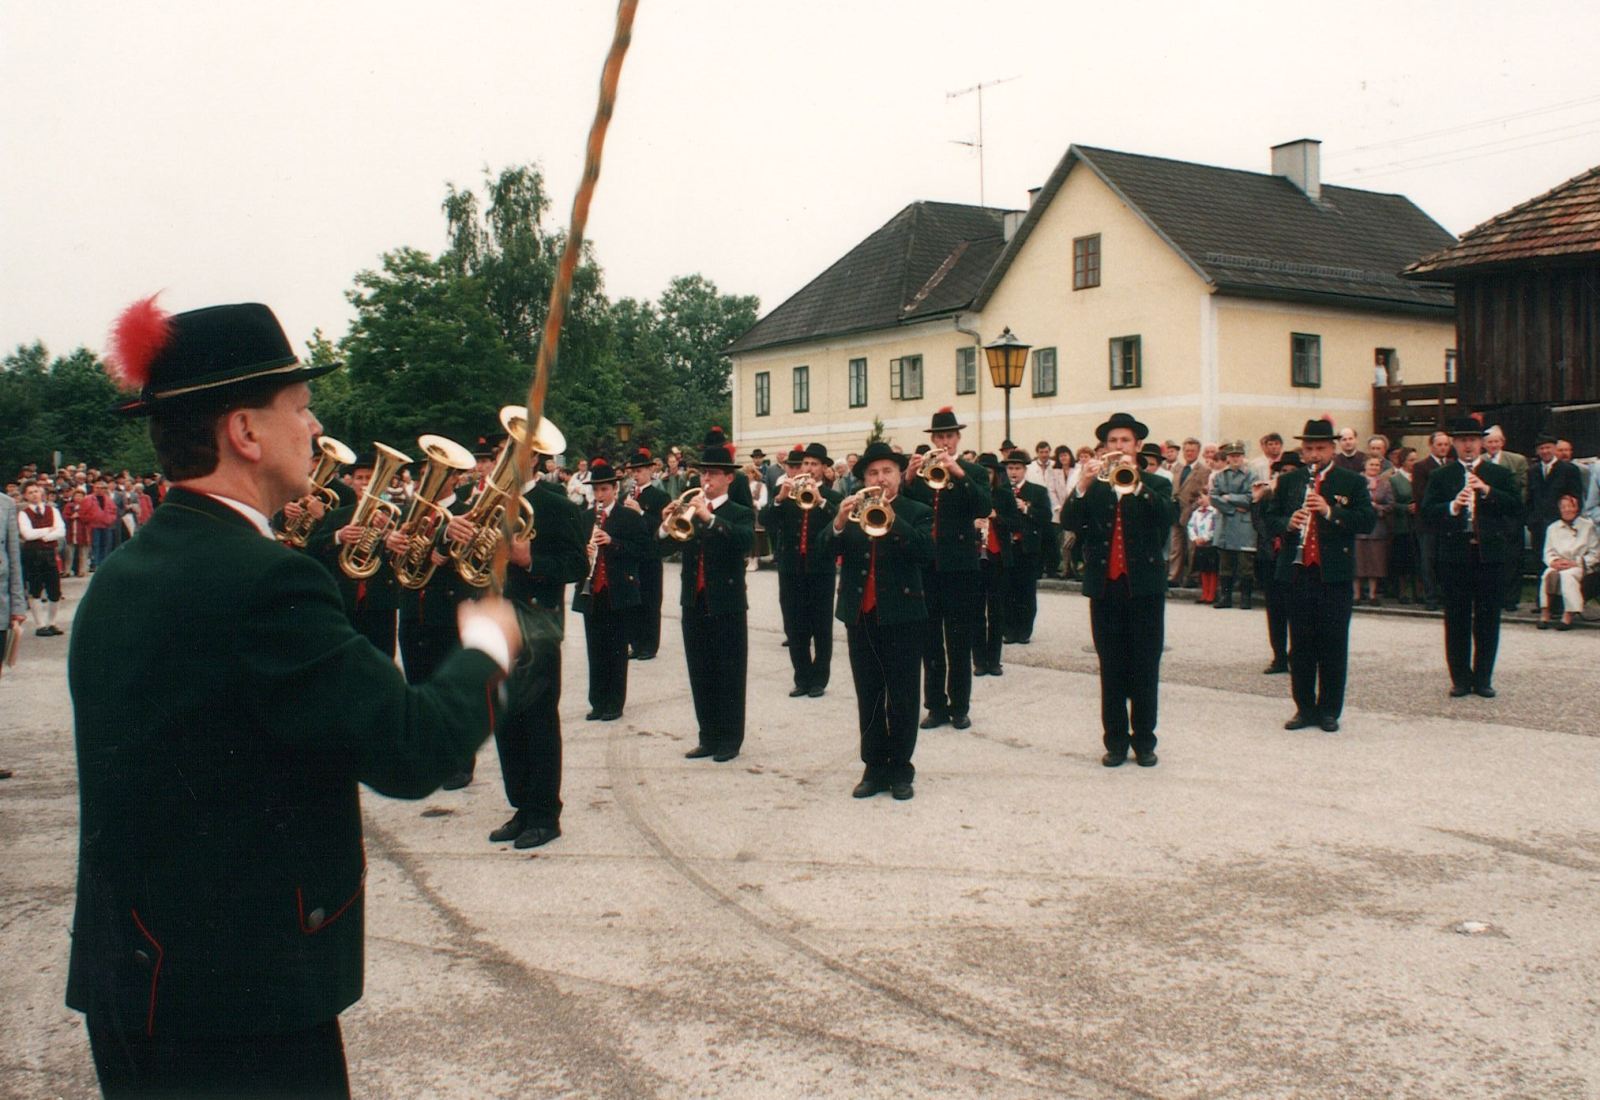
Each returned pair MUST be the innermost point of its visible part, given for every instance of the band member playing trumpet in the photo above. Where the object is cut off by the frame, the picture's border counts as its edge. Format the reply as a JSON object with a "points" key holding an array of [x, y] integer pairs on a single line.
{"points": [[801, 508], [880, 603], [717, 535], [617, 542], [647, 499], [370, 602], [537, 575], [995, 549], [1318, 511], [1123, 520], [962, 496], [1472, 504], [1030, 547]]}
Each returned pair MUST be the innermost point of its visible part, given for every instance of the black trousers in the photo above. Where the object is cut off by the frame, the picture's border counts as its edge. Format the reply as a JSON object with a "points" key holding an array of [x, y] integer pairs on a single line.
{"points": [[529, 743], [1022, 597], [1319, 642], [423, 646], [644, 621], [308, 1063], [605, 636], [883, 663], [1278, 598], [1471, 594], [989, 626], [716, 649], [947, 641], [377, 627], [806, 600], [42, 576], [1129, 632]]}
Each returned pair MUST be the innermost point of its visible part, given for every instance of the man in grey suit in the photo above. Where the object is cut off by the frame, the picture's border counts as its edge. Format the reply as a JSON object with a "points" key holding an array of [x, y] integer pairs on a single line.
{"points": [[11, 594]]}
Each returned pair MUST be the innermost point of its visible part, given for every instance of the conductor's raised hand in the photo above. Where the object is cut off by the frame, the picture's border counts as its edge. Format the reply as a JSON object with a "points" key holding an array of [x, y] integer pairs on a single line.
{"points": [[494, 610]]}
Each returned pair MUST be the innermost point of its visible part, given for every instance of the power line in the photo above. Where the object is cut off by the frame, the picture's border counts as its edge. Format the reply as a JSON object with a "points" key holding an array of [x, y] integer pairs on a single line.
{"points": [[1463, 127], [1473, 156], [1481, 145]]}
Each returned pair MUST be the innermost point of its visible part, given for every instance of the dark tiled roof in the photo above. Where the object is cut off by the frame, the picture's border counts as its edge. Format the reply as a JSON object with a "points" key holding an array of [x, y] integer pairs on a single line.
{"points": [[927, 260], [1563, 223], [1255, 234]]}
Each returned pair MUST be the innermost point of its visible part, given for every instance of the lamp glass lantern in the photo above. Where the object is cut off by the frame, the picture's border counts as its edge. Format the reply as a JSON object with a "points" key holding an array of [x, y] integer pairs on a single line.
{"points": [[624, 430], [1008, 358]]}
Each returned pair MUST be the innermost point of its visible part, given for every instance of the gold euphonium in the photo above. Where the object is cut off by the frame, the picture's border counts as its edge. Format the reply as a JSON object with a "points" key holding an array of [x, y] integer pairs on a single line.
{"points": [[331, 454], [426, 517], [678, 517], [374, 517], [873, 513], [502, 493]]}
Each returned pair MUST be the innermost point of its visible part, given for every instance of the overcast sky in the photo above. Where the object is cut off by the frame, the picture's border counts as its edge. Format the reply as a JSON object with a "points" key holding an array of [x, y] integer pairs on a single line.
{"points": [[268, 151]]}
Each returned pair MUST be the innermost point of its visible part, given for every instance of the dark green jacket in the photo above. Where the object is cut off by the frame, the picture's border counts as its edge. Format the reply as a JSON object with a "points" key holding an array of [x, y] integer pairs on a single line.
{"points": [[955, 539], [652, 498], [725, 544], [556, 554], [1031, 529], [782, 519], [1499, 510], [225, 712], [1351, 514], [630, 544], [1147, 518], [434, 604], [902, 555]]}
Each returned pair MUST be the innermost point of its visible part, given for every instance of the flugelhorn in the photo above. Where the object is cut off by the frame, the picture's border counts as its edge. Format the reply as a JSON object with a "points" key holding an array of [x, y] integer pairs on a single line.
{"points": [[678, 517], [806, 493], [331, 454], [502, 492], [374, 517], [935, 469], [1121, 472], [872, 512], [425, 517]]}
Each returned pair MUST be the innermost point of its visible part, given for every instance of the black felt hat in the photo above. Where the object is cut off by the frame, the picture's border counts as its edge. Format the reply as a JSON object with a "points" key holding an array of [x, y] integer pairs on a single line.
{"points": [[1288, 460], [945, 421], [1018, 458], [877, 451], [1464, 425], [719, 457], [1153, 452], [1121, 420], [988, 461], [200, 355], [639, 459], [818, 452], [795, 456], [1319, 430], [1545, 437], [601, 472]]}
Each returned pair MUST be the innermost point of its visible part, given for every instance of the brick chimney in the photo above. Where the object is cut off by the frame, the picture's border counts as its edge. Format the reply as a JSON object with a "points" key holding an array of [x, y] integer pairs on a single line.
{"points": [[1300, 162]]}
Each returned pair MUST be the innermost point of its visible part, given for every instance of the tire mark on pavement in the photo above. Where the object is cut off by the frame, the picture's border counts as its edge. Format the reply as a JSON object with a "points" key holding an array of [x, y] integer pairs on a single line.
{"points": [[627, 779], [1517, 848]]}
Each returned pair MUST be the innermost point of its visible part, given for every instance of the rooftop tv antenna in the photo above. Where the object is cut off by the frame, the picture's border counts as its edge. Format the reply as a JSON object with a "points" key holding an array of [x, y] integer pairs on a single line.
{"points": [[978, 145]]}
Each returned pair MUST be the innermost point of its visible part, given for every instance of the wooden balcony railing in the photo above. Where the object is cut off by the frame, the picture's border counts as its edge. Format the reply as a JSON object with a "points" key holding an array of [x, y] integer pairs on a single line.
{"points": [[1414, 410]]}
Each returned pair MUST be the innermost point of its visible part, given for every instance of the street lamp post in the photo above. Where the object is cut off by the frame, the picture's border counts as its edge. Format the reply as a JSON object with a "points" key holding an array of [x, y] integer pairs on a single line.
{"points": [[624, 431], [1007, 357]]}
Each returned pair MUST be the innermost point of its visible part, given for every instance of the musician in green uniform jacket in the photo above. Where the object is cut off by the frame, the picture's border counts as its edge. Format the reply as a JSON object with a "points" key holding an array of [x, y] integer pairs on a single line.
{"points": [[881, 603], [370, 602], [225, 712], [805, 569], [647, 499], [617, 542]]}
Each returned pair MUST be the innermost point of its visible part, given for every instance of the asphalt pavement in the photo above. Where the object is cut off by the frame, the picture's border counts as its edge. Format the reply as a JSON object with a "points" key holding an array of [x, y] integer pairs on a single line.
{"points": [[1407, 908]]}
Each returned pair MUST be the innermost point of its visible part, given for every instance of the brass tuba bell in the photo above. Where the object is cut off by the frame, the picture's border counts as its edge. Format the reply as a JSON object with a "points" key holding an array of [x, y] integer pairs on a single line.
{"points": [[425, 517], [502, 493], [331, 454], [374, 517]]}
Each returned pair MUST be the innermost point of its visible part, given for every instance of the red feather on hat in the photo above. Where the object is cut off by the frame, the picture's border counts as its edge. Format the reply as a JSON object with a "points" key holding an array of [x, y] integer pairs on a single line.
{"points": [[947, 409], [644, 451], [137, 338]]}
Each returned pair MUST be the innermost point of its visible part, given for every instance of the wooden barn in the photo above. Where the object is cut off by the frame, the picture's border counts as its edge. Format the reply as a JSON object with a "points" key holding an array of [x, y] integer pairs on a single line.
{"points": [[1527, 286]]}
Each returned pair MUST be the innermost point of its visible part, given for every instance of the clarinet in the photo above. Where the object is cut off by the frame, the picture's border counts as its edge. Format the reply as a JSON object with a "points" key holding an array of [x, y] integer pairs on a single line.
{"points": [[1472, 501], [1313, 485]]}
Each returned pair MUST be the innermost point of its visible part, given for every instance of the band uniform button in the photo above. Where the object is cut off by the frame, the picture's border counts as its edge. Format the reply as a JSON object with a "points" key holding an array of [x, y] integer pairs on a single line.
{"points": [[142, 957], [315, 918]]}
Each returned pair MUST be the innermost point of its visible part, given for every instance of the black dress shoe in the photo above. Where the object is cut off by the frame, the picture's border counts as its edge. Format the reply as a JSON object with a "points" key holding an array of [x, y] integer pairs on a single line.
{"points": [[1544, 624], [593, 715], [698, 752], [1145, 759], [997, 670], [536, 836], [611, 716], [1300, 721], [795, 693], [980, 670], [456, 781], [42, 632], [1458, 690], [1024, 641], [901, 791], [1275, 667], [1329, 725], [644, 656], [1485, 692], [1114, 759], [869, 786], [1563, 625], [509, 831], [933, 721], [817, 692], [960, 721], [724, 757]]}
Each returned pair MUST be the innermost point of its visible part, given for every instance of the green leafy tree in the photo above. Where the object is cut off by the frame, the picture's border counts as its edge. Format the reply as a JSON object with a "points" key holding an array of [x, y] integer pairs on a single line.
{"points": [[64, 405]]}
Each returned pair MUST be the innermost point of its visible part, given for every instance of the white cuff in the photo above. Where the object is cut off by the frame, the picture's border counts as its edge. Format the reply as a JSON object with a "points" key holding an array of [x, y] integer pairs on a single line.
{"points": [[481, 633]]}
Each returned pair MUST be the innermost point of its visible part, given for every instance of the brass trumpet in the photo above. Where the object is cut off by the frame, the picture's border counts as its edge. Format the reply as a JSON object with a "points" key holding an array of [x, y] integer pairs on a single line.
{"points": [[502, 493], [374, 517], [426, 517], [935, 469], [806, 493], [331, 454], [678, 517], [1121, 472], [872, 512]]}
